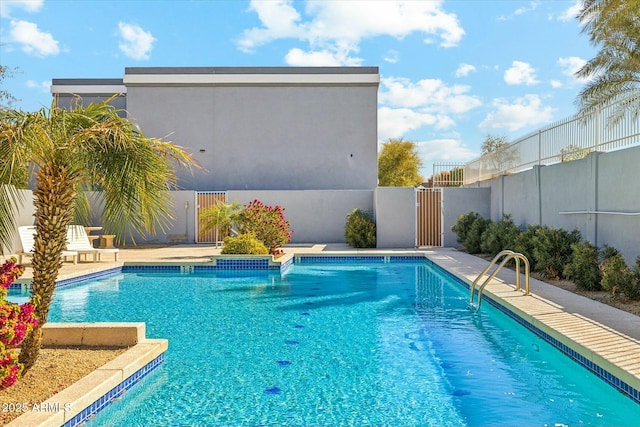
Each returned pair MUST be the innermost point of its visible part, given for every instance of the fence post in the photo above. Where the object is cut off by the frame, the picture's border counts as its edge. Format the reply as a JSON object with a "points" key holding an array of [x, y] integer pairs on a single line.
{"points": [[597, 129], [539, 147]]}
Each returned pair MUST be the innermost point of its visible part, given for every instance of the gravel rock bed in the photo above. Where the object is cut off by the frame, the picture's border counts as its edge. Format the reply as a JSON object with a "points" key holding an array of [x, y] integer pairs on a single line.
{"points": [[55, 370]]}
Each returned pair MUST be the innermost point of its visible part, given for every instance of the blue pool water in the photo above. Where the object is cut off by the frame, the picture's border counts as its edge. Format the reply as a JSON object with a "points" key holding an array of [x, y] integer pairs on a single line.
{"points": [[344, 344]]}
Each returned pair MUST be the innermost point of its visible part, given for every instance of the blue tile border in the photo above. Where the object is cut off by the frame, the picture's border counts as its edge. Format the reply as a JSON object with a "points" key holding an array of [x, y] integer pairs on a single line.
{"points": [[114, 393], [339, 259], [74, 280], [592, 367], [362, 258]]}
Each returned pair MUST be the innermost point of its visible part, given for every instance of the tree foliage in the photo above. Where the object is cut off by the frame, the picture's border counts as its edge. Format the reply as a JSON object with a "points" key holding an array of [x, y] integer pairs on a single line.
{"points": [[221, 217], [399, 164], [497, 153], [6, 98], [614, 73]]}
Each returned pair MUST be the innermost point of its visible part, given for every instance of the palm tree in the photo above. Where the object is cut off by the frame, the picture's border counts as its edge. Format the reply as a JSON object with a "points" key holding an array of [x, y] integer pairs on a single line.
{"points": [[614, 72], [70, 151], [221, 217]]}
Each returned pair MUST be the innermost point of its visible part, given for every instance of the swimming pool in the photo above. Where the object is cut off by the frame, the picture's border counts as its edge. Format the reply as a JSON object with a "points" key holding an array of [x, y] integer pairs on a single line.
{"points": [[337, 344]]}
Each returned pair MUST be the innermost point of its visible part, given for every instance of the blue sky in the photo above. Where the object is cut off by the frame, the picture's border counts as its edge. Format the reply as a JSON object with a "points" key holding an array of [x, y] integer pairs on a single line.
{"points": [[451, 71]]}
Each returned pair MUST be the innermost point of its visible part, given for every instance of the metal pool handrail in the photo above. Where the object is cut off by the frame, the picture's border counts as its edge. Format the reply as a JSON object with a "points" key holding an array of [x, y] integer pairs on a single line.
{"points": [[508, 255]]}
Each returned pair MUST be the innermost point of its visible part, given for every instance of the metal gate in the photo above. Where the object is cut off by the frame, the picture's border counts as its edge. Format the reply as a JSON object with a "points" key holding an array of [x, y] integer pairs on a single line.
{"points": [[205, 199], [429, 227]]}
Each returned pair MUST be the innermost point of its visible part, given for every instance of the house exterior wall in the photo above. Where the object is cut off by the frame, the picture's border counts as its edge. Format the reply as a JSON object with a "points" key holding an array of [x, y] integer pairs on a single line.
{"points": [[254, 128], [315, 216], [458, 201], [598, 195], [395, 212], [249, 133], [68, 91]]}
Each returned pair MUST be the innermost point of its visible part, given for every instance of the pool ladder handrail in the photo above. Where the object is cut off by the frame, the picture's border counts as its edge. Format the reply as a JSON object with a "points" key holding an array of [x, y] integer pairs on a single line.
{"points": [[508, 255]]}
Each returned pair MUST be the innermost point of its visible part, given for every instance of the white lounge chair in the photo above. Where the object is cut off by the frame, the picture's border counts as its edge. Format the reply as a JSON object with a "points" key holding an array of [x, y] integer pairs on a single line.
{"points": [[27, 238], [77, 240]]}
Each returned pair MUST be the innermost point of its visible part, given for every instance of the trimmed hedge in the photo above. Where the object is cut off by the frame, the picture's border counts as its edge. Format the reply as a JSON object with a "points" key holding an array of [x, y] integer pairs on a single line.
{"points": [[553, 253]]}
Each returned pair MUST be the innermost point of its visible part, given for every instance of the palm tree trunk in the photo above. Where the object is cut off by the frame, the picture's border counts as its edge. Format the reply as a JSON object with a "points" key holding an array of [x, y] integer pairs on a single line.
{"points": [[54, 204]]}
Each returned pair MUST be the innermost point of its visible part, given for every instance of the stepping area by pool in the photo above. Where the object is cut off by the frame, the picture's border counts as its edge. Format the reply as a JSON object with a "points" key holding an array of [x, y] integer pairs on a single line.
{"points": [[591, 332]]}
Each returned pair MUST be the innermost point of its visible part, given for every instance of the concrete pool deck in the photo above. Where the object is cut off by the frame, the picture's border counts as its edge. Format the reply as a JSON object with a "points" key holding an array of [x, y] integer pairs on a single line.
{"points": [[596, 332]]}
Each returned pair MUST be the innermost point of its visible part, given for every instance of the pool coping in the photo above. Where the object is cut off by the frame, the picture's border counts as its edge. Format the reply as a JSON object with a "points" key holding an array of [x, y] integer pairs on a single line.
{"points": [[95, 391], [538, 314], [607, 353]]}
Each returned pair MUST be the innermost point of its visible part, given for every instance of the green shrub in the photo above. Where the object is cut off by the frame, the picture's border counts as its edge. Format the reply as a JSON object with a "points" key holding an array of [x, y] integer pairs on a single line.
{"points": [[584, 269], [552, 250], [462, 227], [360, 230], [524, 242], [473, 239], [244, 244], [617, 277], [608, 252], [498, 236], [634, 291]]}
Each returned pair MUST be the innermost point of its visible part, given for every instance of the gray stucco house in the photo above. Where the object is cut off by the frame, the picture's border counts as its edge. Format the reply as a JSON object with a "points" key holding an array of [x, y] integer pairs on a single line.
{"points": [[301, 137], [254, 128]]}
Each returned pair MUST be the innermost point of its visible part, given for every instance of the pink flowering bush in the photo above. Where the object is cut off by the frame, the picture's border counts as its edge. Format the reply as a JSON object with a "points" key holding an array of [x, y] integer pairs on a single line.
{"points": [[16, 321], [267, 224]]}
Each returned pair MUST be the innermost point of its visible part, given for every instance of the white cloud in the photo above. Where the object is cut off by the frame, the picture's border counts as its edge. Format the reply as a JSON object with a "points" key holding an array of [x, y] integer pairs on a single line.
{"points": [[27, 5], [430, 95], [339, 26], [520, 11], [407, 106], [520, 73], [32, 40], [556, 84], [570, 66], [279, 19], [136, 43], [392, 57], [44, 86], [464, 70], [532, 6], [444, 149], [572, 12], [397, 122], [300, 58], [525, 111]]}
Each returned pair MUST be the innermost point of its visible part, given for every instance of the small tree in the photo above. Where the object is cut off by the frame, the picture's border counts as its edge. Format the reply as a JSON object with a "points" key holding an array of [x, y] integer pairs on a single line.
{"points": [[221, 217], [498, 155], [6, 97], [573, 152], [399, 164], [69, 151]]}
